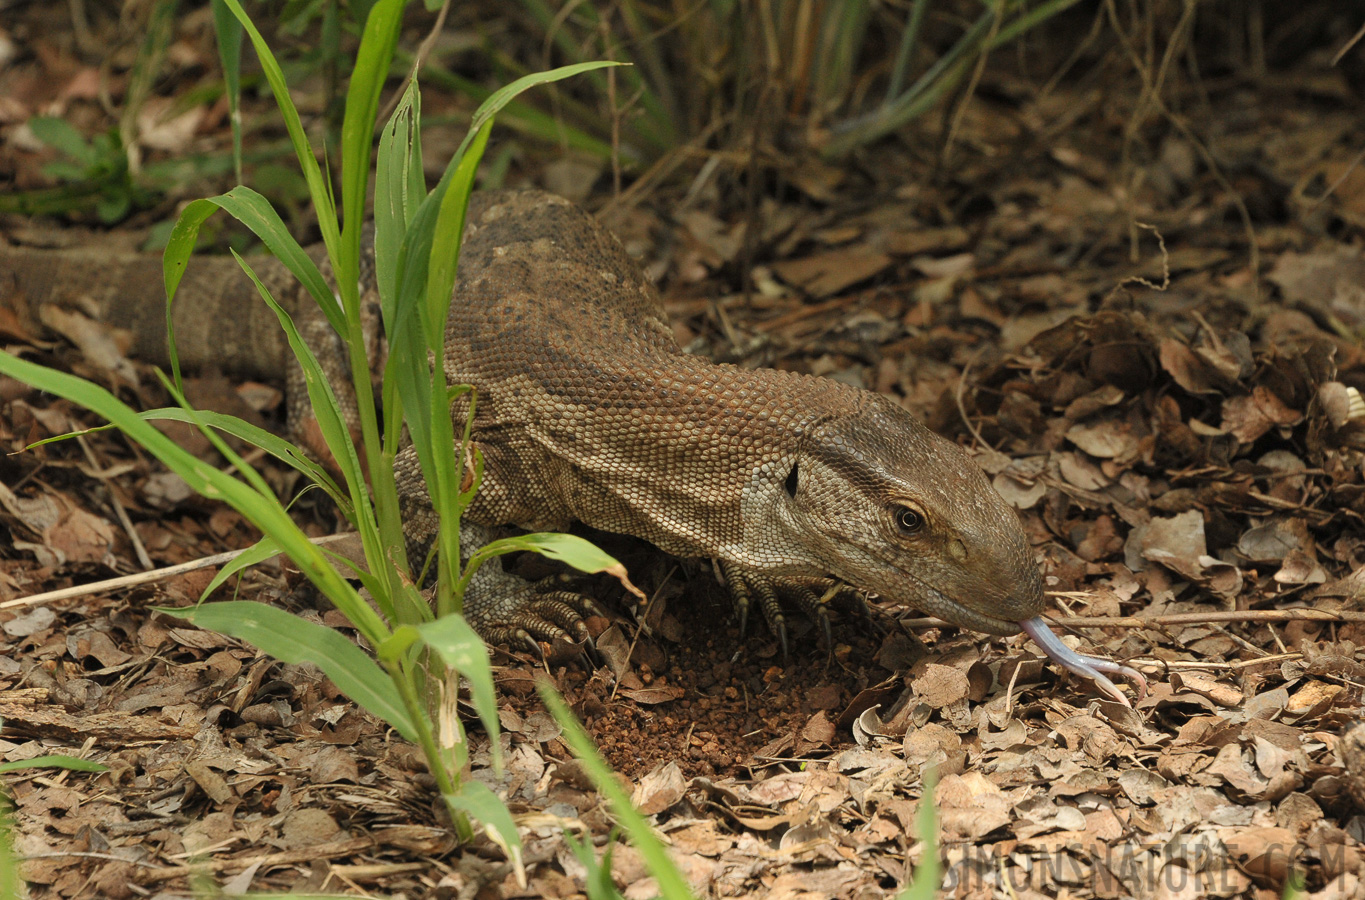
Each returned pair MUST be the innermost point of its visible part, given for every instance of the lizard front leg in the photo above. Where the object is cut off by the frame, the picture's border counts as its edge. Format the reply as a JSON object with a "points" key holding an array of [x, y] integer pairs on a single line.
{"points": [[500, 606], [810, 595]]}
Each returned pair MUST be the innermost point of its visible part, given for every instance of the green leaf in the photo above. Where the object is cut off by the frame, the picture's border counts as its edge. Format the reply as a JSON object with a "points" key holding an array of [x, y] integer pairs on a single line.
{"points": [[928, 877], [262, 510], [62, 136], [58, 761], [256, 213], [521, 116], [229, 33], [399, 188], [672, 885], [326, 408], [273, 444], [290, 639], [506, 94], [257, 553], [318, 187], [463, 650], [371, 70], [332, 425], [477, 800], [575, 551], [444, 468], [597, 882]]}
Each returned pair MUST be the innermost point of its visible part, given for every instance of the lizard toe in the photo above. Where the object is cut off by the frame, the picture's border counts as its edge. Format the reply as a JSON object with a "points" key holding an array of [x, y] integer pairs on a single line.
{"points": [[813, 605], [555, 586], [740, 594], [548, 618], [506, 609], [746, 588], [563, 611]]}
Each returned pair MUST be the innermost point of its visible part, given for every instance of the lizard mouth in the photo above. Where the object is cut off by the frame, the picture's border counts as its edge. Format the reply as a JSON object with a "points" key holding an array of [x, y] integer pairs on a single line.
{"points": [[990, 612], [967, 617], [934, 601]]}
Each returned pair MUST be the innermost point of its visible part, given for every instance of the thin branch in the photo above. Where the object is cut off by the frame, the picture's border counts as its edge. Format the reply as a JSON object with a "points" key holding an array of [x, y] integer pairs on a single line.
{"points": [[127, 581]]}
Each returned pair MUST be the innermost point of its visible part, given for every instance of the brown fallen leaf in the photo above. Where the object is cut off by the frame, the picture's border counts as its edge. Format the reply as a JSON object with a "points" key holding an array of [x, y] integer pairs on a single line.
{"points": [[102, 346], [656, 693], [829, 273], [660, 789]]}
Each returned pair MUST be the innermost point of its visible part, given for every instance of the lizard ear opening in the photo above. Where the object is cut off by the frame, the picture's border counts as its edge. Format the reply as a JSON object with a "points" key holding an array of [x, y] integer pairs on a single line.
{"points": [[791, 482]]}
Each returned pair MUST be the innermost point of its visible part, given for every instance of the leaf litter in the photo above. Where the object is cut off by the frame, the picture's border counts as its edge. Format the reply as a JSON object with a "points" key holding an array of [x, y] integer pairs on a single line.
{"points": [[1187, 462]]}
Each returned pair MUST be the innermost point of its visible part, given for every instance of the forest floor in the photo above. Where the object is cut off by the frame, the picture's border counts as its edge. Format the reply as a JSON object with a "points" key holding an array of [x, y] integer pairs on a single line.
{"points": [[1149, 338]]}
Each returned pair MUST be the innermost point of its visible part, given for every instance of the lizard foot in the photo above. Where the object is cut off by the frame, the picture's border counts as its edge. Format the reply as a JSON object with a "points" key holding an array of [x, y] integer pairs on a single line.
{"points": [[747, 587], [533, 615], [506, 609]]}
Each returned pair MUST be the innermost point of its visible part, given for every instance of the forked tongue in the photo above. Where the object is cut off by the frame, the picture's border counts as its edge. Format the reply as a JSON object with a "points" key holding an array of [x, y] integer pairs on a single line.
{"points": [[1092, 667]]}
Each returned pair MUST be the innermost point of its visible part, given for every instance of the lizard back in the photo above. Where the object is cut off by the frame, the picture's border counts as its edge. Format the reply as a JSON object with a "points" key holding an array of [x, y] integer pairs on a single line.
{"points": [[585, 397]]}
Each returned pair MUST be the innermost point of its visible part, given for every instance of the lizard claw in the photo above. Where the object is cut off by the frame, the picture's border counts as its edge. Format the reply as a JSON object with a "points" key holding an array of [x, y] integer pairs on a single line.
{"points": [[747, 587], [555, 618], [811, 604]]}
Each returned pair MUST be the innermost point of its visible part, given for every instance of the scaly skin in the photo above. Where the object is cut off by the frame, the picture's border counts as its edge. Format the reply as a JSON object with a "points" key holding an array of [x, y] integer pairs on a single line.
{"points": [[589, 411]]}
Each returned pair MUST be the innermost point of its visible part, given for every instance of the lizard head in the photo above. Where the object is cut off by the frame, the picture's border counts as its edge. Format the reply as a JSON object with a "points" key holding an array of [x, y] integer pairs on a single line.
{"points": [[888, 506]]}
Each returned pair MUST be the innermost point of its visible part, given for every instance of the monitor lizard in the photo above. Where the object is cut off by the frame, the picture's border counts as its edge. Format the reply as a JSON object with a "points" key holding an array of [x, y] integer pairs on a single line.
{"points": [[589, 411]]}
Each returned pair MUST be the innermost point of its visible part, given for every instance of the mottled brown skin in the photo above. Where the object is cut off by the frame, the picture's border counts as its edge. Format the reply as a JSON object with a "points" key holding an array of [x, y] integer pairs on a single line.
{"points": [[220, 321], [589, 411]]}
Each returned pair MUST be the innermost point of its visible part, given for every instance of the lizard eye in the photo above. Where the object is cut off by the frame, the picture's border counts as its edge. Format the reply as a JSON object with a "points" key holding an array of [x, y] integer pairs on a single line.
{"points": [[908, 520]]}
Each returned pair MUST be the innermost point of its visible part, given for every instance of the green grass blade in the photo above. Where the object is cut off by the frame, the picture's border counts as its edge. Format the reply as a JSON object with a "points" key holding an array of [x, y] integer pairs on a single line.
{"points": [[927, 90], [332, 426], [273, 444], [447, 467], [291, 639], [58, 761], [345, 602], [463, 650], [672, 885], [842, 33], [661, 127], [400, 186], [318, 188], [256, 213], [414, 261], [909, 41], [11, 882], [597, 883], [265, 512], [229, 32], [477, 800], [422, 302], [258, 552], [524, 118], [326, 407], [449, 235], [506, 94], [62, 136], [372, 62], [928, 877], [382, 22], [567, 548], [396, 193]]}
